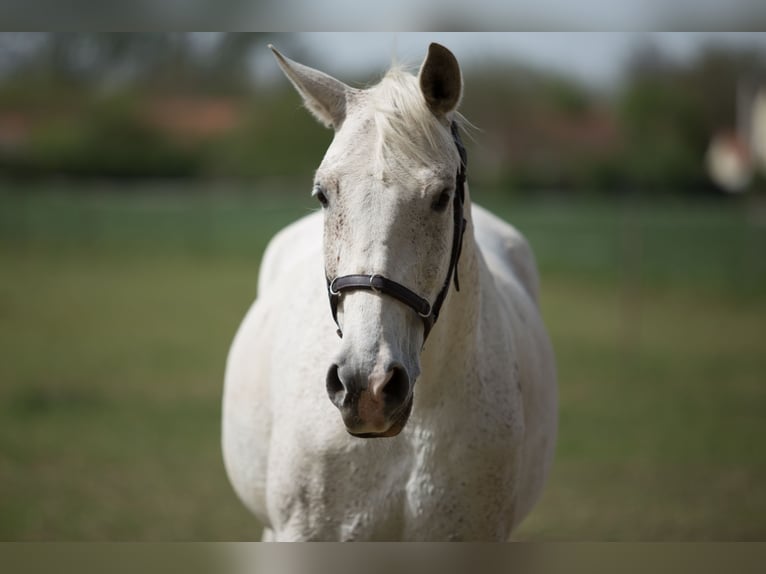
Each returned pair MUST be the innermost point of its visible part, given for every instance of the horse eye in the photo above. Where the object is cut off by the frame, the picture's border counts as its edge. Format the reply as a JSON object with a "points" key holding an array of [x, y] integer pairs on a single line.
{"points": [[441, 202], [320, 195]]}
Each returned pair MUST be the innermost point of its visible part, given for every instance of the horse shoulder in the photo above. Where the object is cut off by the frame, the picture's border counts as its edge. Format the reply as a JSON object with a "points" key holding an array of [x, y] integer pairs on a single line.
{"points": [[247, 410], [510, 261], [292, 244], [506, 250]]}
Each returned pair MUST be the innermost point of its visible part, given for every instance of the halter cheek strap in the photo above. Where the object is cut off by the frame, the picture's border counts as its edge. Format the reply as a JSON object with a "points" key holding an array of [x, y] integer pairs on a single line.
{"points": [[377, 283]]}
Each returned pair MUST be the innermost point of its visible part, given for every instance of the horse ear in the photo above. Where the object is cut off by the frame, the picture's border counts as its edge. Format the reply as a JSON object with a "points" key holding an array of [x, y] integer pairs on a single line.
{"points": [[323, 95], [440, 80]]}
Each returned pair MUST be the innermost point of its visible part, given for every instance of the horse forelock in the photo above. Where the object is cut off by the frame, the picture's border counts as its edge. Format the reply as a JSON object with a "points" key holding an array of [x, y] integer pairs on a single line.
{"points": [[405, 126]]}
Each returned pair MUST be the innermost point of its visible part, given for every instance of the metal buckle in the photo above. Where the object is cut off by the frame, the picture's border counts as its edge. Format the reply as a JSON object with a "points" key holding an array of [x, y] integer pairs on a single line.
{"points": [[333, 292], [372, 287], [427, 315]]}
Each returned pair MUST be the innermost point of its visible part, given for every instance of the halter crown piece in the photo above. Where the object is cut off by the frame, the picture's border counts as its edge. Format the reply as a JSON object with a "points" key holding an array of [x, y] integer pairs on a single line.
{"points": [[428, 312]]}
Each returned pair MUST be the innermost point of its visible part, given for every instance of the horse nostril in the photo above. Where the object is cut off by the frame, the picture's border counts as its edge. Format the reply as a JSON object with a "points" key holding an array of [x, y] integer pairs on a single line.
{"points": [[336, 390], [397, 388]]}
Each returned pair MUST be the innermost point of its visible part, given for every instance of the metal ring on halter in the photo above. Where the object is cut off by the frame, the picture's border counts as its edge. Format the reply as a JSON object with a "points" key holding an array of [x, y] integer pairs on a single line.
{"points": [[372, 287], [330, 288], [426, 315]]}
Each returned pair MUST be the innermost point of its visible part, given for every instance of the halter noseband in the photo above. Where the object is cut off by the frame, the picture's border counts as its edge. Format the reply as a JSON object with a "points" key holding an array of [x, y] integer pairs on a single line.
{"points": [[377, 283]]}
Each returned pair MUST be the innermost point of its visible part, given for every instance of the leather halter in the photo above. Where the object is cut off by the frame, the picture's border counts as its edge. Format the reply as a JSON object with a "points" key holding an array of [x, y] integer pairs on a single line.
{"points": [[428, 312]]}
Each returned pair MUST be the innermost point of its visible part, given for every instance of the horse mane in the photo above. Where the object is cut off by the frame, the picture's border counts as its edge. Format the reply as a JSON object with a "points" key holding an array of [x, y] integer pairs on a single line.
{"points": [[404, 123]]}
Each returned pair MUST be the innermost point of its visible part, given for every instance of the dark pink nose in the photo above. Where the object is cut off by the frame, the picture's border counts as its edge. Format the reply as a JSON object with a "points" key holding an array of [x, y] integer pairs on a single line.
{"points": [[368, 404]]}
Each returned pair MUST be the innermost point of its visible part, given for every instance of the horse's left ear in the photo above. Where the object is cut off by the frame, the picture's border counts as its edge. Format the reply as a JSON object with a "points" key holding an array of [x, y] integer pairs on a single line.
{"points": [[440, 80], [324, 96]]}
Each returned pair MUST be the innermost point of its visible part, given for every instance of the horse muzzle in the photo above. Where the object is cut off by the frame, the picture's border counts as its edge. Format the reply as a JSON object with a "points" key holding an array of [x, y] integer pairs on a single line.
{"points": [[371, 406]]}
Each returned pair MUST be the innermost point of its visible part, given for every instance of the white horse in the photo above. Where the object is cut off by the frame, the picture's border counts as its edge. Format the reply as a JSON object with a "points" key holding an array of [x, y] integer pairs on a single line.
{"points": [[447, 428]]}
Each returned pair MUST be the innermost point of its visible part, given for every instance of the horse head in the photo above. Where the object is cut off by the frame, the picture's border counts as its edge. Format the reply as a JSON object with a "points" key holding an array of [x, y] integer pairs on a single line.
{"points": [[390, 187]]}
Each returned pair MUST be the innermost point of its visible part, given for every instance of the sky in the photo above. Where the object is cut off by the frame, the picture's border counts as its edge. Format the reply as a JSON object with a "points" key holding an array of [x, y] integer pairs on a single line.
{"points": [[596, 58], [266, 15], [513, 15]]}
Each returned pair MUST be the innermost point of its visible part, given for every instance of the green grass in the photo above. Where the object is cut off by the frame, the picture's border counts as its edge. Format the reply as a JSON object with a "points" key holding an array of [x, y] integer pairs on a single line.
{"points": [[117, 310]]}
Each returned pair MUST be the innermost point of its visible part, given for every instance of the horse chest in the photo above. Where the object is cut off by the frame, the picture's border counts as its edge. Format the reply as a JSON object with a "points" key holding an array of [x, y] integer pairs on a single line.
{"points": [[338, 490], [464, 479], [419, 486]]}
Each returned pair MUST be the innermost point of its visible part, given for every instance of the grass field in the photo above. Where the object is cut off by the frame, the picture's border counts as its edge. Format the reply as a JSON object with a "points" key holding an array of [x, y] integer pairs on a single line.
{"points": [[117, 309]]}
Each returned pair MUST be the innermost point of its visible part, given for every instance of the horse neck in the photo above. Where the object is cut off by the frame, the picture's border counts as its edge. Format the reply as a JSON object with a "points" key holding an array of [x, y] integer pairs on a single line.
{"points": [[454, 335]]}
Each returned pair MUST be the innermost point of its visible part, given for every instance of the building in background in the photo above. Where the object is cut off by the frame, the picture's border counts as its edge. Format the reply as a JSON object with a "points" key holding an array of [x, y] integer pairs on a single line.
{"points": [[734, 157]]}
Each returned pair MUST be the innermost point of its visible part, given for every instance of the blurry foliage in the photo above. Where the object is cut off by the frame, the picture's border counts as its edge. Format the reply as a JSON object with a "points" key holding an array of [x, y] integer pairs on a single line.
{"points": [[196, 62], [538, 130], [82, 102], [110, 141], [668, 113], [275, 138]]}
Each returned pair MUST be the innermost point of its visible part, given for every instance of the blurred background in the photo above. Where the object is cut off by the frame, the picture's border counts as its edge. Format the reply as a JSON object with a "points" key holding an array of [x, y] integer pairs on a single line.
{"points": [[141, 176]]}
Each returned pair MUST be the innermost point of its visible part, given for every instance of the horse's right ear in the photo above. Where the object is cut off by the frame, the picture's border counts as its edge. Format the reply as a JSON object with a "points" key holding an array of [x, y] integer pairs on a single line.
{"points": [[323, 95]]}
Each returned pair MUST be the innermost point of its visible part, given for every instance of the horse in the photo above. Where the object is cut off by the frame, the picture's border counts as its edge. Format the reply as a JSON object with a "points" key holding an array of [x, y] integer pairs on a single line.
{"points": [[393, 379]]}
